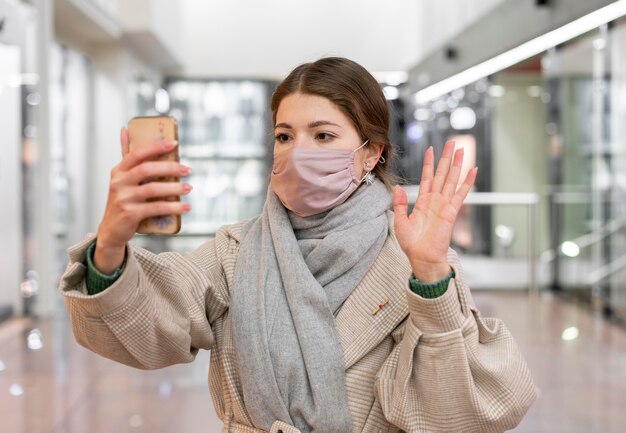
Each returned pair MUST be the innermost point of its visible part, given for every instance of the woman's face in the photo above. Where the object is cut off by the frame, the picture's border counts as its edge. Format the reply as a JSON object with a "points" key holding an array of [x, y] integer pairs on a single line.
{"points": [[313, 121]]}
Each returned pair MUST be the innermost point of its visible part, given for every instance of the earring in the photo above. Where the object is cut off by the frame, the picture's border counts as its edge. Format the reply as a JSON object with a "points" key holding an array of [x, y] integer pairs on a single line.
{"points": [[368, 178], [382, 159], [367, 165]]}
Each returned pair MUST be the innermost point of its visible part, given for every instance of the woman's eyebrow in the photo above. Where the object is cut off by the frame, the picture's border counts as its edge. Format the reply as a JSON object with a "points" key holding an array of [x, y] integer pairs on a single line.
{"points": [[310, 125], [322, 123]]}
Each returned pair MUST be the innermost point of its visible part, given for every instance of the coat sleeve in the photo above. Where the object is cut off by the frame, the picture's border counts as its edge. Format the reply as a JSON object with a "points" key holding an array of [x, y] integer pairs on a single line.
{"points": [[452, 369], [159, 311]]}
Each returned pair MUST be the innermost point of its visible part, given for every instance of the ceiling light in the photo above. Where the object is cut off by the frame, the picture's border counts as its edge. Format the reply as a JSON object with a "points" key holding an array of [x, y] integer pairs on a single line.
{"points": [[414, 132], [423, 114], [496, 91], [463, 118], [526, 50], [393, 78], [162, 101], [391, 93], [570, 249]]}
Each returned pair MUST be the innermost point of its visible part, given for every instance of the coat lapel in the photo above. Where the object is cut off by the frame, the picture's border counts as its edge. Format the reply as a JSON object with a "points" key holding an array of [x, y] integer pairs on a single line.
{"points": [[360, 330]]}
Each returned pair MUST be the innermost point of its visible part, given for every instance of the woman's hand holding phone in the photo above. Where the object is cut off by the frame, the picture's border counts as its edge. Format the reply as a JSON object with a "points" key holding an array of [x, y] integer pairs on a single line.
{"points": [[128, 201]]}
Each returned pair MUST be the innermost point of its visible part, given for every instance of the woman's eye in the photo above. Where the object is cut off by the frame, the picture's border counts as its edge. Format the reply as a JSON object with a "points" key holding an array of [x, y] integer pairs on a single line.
{"points": [[282, 138], [325, 136]]}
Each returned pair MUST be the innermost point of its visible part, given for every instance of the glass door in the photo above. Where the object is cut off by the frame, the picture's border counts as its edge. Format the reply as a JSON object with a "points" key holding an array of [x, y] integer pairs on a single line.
{"points": [[10, 181]]}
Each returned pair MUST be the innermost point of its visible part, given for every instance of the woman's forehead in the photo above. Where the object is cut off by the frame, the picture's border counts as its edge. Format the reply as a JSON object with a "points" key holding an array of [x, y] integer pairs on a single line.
{"points": [[299, 109]]}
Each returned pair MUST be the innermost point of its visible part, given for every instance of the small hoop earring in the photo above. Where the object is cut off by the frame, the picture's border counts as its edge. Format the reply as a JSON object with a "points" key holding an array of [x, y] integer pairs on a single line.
{"points": [[382, 159]]}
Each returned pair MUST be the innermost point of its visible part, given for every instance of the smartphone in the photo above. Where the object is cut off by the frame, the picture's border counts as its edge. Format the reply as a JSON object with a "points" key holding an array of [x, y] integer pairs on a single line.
{"points": [[144, 131]]}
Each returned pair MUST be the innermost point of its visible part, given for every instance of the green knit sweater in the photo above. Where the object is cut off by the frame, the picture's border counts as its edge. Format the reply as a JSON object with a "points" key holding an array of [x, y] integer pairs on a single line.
{"points": [[97, 281]]}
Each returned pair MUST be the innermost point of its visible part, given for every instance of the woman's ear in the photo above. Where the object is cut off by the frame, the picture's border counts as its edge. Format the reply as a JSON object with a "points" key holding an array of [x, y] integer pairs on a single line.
{"points": [[374, 153]]}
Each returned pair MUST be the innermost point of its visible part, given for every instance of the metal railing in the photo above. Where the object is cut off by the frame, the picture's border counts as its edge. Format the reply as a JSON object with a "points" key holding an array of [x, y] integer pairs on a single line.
{"points": [[528, 200]]}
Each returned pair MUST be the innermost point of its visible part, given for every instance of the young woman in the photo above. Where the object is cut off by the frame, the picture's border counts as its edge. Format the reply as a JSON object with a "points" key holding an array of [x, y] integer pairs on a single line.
{"points": [[326, 313]]}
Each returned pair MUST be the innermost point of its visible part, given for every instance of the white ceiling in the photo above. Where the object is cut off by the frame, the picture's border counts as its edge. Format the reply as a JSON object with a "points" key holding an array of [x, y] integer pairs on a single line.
{"points": [[266, 39]]}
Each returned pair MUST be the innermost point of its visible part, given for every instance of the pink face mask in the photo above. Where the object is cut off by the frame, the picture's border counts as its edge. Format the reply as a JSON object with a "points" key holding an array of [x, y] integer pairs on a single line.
{"points": [[311, 181]]}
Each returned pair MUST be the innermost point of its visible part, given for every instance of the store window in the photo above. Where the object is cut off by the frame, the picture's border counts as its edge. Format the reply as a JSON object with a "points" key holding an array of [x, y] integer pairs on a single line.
{"points": [[70, 111], [224, 137], [10, 185], [551, 126], [463, 116]]}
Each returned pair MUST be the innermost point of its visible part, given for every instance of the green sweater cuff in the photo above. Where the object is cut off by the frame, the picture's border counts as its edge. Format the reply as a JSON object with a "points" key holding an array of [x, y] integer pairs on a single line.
{"points": [[432, 290], [96, 280]]}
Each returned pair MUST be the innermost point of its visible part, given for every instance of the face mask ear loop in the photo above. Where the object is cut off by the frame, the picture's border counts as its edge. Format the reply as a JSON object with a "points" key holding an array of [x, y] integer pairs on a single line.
{"points": [[368, 178], [366, 141]]}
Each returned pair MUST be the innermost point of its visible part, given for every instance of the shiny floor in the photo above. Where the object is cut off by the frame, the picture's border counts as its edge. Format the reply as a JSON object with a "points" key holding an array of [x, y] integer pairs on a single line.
{"points": [[49, 384]]}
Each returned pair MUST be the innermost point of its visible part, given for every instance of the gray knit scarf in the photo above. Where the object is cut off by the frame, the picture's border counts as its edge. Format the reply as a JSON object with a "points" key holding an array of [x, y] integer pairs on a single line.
{"points": [[291, 278]]}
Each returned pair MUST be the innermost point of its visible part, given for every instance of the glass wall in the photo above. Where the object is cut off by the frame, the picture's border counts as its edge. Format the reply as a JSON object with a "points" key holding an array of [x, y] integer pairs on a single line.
{"points": [[10, 185], [70, 111], [616, 51], [465, 117], [550, 127], [224, 137]]}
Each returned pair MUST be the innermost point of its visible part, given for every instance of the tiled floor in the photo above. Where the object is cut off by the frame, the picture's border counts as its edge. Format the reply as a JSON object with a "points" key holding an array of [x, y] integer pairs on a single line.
{"points": [[63, 388]]}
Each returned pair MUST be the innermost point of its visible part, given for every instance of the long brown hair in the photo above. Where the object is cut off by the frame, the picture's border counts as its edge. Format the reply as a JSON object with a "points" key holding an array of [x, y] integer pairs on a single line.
{"points": [[355, 92]]}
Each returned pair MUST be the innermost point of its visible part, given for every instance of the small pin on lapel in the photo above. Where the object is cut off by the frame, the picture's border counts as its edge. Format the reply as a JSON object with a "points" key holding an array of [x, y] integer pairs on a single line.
{"points": [[380, 307]]}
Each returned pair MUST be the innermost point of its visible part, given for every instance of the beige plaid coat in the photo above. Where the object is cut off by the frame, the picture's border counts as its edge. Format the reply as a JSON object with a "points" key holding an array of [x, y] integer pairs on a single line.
{"points": [[417, 365]]}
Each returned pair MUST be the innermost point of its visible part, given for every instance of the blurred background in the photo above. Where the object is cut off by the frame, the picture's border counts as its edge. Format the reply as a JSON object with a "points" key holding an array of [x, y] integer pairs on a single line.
{"points": [[534, 90]]}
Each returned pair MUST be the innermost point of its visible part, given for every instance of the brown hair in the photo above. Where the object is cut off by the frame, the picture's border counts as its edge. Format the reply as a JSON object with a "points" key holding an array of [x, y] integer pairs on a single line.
{"points": [[354, 91]]}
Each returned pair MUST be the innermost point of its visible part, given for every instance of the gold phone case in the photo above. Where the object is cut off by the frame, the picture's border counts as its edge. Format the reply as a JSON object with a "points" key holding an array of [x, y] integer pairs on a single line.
{"points": [[144, 131]]}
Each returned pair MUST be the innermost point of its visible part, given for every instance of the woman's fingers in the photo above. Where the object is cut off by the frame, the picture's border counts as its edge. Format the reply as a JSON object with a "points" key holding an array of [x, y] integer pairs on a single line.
{"points": [[426, 181], [464, 189], [137, 156], [124, 141], [159, 208], [400, 204], [449, 187], [443, 167], [153, 169], [428, 168], [161, 189]]}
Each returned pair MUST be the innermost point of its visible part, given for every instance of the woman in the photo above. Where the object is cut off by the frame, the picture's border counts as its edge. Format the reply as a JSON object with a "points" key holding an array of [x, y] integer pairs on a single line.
{"points": [[326, 313]]}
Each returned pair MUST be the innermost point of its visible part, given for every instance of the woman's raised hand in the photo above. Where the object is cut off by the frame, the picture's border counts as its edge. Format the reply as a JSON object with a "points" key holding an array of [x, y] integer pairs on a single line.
{"points": [[131, 199], [425, 234]]}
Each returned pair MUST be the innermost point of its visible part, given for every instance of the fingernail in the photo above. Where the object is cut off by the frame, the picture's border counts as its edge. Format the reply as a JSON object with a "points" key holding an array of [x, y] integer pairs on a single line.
{"points": [[170, 144], [186, 207], [186, 187], [184, 170]]}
